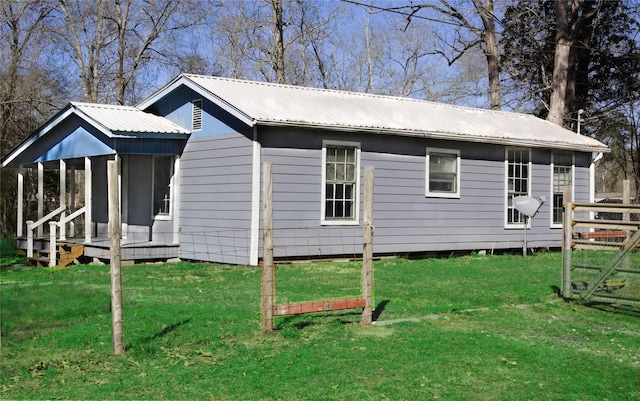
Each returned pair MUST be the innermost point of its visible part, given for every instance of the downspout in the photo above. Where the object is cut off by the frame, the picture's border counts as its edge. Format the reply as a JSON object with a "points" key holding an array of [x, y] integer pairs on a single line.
{"points": [[255, 200], [592, 178]]}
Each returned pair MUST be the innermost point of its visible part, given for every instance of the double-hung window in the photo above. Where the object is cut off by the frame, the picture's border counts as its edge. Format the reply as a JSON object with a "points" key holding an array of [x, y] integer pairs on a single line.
{"points": [[443, 173], [341, 177], [162, 173], [518, 182], [562, 177]]}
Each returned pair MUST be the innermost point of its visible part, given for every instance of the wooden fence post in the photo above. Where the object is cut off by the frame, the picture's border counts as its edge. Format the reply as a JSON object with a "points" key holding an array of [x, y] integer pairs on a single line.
{"points": [[367, 252], [268, 279], [567, 230], [115, 233], [626, 217]]}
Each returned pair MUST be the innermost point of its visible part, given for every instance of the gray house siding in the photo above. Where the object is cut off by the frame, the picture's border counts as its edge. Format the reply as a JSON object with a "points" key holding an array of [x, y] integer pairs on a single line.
{"points": [[215, 180], [405, 219], [215, 204]]}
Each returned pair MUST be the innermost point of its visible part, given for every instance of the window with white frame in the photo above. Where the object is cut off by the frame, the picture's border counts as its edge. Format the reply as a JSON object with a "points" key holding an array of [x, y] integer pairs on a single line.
{"points": [[443, 173], [341, 167], [518, 181], [562, 177], [162, 173]]}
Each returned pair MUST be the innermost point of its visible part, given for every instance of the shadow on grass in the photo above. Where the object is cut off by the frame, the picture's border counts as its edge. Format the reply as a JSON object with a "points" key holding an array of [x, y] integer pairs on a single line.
{"points": [[619, 308], [379, 309], [166, 330]]}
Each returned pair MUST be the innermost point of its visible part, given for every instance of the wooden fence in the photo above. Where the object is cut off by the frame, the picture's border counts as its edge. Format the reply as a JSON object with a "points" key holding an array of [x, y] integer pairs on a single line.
{"points": [[601, 258]]}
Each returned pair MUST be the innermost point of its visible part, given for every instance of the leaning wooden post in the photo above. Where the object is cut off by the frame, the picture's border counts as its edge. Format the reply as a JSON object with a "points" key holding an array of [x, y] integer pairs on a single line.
{"points": [[268, 279], [367, 252], [115, 233]]}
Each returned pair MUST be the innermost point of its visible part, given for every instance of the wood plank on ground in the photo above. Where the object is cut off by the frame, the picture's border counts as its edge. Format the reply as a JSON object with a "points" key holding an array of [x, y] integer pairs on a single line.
{"points": [[318, 306]]}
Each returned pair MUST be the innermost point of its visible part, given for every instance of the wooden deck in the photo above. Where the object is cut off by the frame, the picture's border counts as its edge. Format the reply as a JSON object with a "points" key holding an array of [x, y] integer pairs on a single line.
{"points": [[98, 249]]}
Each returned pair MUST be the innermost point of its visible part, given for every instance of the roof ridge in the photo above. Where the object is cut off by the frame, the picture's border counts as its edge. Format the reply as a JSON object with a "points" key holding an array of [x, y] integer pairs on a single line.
{"points": [[354, 93], [106, 106]]}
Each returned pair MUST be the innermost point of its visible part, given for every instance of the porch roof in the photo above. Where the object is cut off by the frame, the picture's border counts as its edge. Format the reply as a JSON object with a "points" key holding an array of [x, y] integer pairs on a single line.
{"points": [[88, 129], [262, 103]]}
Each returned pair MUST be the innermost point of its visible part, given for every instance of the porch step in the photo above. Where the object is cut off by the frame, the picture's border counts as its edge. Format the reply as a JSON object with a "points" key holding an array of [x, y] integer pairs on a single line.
{"points": [[66, 254]]}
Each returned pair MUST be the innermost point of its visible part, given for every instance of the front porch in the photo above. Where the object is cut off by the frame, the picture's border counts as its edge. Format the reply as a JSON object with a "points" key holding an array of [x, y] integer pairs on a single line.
{"points": [[63, 215]]}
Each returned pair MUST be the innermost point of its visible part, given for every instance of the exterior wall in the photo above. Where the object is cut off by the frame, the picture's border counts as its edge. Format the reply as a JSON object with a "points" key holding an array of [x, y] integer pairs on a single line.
{"points": [[137, 189], [215, 181], [405, 219], [215, 205], [100, 196], [216, 192]]}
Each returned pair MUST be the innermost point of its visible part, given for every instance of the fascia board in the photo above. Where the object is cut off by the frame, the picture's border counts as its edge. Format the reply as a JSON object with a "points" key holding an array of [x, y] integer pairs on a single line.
{"points": [[52, 124], [37, 135]]}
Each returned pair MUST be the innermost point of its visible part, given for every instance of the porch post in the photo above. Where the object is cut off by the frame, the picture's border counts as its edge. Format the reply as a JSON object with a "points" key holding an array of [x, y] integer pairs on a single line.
{"points": [[63, 199], [88, 222], [40, 196], [20, 201], [72, 201], [176, 200]]}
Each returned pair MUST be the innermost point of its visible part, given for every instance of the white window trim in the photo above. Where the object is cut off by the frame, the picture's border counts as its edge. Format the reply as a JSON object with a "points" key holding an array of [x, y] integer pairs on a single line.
{"points": [[453, 195], [508, 225], [552, 224], [168, 216], [356, 219]]}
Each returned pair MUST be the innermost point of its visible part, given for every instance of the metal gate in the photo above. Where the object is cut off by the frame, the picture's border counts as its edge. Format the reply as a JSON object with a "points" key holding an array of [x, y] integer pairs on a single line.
{"points": [[601, 253]]}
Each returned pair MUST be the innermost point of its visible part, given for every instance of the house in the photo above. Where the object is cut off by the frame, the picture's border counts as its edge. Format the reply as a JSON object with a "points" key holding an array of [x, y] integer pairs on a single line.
{"points": [[190, 172]]}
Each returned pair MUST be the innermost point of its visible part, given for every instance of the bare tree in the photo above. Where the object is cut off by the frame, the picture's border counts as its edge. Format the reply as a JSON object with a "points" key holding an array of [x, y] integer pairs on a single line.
{"points": [[459, 20], [110, 42], [21, 22]]}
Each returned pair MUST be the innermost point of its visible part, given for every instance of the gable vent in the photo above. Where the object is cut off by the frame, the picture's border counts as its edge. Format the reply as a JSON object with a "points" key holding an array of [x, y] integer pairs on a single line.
{"points": [[196, 120]]}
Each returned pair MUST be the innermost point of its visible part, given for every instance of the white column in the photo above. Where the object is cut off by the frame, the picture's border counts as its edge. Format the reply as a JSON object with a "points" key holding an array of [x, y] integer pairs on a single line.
{"points": [[20, 206], [255, 201], [40, 196], [122, 185], [72, 202], [63, 199], [175, 188], [88, 223], [53, 252]]}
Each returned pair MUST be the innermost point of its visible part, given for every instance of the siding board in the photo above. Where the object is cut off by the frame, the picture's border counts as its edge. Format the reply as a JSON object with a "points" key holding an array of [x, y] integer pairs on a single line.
{"points": [[406, 220], [215, 191]]}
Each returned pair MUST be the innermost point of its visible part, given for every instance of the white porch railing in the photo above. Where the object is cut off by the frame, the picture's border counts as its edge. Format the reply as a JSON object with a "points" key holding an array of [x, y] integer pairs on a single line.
{"points": [[62, 223]]}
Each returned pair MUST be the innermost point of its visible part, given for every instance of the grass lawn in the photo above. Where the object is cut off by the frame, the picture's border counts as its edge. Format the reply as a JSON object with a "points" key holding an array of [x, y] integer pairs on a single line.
{"points": [[467, 328]]}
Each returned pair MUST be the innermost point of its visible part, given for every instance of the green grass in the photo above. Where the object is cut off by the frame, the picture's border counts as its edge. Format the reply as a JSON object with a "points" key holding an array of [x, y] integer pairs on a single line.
{"points": [[485, 328]]}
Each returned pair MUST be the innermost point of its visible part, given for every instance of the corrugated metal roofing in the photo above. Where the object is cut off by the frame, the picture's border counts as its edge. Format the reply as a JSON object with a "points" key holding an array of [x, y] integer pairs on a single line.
{"points": [[127, 119], [275, 104]]}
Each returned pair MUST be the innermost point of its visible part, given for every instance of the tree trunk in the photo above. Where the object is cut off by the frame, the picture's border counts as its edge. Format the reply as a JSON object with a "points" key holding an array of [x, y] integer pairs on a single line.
{"points": [[557, 103], [278, 26], [491, 50]]}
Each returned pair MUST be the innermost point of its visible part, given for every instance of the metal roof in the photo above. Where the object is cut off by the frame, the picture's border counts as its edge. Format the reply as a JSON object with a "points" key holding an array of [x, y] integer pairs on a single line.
{"points": [[112, 121], [260, 103], [127, 119]]}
